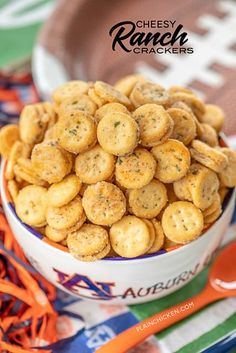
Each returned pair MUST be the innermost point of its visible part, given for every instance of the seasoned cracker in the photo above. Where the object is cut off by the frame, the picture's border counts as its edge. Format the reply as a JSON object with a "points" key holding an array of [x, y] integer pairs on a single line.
{"points": [[66, 216], [203, 185], [104, 203], [94, 165], [126, 84], [89, 243], [213, 116], [148, 201], [208, 135], [147, 92], [152, 232], [50, 162], [34, 120], [26, 173], [184, 125], [159, 237], [110, 108], [60, 194], [9, 134], [182, 222], [31, 205], [216, 204], [95, 98], [118, 133], [130, 237], [209, 156], [74, 104], [228, 174], [76, 132], [136, 170], [173, 160], [19, 149], [109, 94], [54, 234], [181, 189], [213, 216], [70, 89], [195, 103], [154, 123], [13, 189]]}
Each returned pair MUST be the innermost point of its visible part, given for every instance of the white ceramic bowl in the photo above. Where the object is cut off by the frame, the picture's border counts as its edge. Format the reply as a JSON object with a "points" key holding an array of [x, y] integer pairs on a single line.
{"points": [[126, 281]]}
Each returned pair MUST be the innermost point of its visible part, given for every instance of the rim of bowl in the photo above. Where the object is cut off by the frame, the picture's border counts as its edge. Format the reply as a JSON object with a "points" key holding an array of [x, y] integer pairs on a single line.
{"points": [[121, 260]]}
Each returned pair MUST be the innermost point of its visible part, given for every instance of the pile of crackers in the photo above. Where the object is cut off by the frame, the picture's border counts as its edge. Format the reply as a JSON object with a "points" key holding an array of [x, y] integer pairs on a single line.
{"points": [[122, 170]]}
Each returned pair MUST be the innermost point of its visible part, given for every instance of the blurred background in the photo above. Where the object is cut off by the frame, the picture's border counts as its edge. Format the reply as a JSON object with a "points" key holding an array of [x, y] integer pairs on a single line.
{"points": [[62, 40]]}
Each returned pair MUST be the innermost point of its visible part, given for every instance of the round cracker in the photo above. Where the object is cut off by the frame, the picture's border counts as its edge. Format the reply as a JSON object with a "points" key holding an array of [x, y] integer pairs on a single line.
{"points": [[74, 104], [181, 189], [228, 174], [60, 194], [110, 94], [209, 156], [216, 204], [9, 134], [31, 204], [94, 165], [130, 237], [126, 84], [69, 89], [173, 161], [13, 189], [152, 232], [34, 120], [18, 150], [54, 234], [118, 133], [154, 123], [66, 216], [95, 98], [110, 108], [27, 174], [76, 132], [184, 125], [90, 242], [213, 216], [208, 135], [104, 203], [63, 233], [148, 92], [196, 104], [50, 162], [203, 185], [159, 237], [213, 116], [182, 222], [136, 170], [148, 201]]}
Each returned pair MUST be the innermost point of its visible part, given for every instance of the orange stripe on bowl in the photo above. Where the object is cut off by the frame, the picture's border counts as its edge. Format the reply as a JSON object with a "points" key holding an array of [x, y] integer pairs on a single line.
{"points": [[56, 245], [171, 248]]}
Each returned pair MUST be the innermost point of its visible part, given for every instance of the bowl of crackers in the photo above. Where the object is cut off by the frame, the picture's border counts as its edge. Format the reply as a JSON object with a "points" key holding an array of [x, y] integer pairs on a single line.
{"points": [[118, 193]]}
